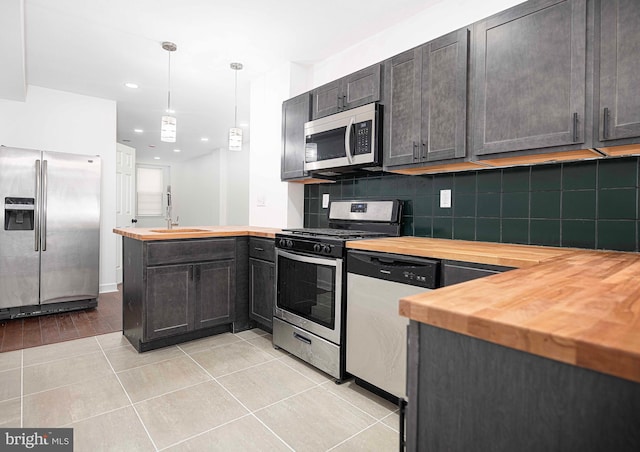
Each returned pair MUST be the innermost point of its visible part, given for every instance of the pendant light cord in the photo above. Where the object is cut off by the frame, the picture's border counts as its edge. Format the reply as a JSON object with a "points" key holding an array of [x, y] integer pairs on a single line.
{"points": [[169, 86], [235, 115]]}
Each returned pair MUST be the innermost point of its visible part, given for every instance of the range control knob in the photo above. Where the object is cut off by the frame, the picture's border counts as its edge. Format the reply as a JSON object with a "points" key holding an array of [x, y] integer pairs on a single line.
{"points": [[316, 247], [326, 249], [289, 243], [281, 243]]}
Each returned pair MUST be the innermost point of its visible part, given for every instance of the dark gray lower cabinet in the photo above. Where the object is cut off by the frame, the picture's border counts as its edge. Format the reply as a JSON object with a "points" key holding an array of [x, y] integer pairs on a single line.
{"points": [[262, 288], [467, 394], [176, 290]]}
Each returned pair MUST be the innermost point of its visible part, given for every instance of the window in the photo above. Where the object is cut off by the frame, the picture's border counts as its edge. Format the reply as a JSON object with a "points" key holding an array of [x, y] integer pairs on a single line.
{"points": [[150, 185]]}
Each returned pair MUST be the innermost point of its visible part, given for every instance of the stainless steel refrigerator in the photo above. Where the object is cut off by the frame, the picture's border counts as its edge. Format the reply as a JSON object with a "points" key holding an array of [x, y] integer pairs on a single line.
{"points": [[49, 233]]}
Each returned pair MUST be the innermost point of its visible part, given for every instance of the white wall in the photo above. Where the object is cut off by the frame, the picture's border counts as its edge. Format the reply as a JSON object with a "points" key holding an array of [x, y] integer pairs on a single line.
{"points": [[195, 184], [273, 203], [283, 205], [59, 121], [234, 186]]}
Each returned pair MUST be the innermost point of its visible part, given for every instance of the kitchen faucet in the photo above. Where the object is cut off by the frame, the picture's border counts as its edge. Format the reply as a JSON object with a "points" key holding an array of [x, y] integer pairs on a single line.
{"points": [[170, 223]]}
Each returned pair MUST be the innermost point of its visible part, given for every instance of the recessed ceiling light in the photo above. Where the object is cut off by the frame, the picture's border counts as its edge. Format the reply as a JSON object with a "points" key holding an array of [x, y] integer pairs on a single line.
{"points": [[138, 130], [126, 141], [177, 150], [131, 85], [244, 124], [156, 158], [152, 145], [204, 139]]}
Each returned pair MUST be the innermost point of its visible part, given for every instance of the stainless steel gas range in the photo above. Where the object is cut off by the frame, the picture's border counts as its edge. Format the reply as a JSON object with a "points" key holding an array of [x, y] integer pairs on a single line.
{"points": [[310, 311]]}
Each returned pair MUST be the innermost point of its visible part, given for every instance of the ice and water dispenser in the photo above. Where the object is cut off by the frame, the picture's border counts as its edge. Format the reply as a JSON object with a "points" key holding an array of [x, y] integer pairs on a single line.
{"points": [[18, 214]]}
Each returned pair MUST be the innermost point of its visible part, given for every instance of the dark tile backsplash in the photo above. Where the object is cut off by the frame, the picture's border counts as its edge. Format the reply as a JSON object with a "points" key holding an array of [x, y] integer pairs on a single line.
{"points": [[592, 204]]}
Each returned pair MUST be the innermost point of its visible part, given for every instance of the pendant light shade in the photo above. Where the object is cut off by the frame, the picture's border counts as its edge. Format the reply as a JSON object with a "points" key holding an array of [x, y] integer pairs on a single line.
{"points": [[235, 133], [235, 139], [168, 129]]}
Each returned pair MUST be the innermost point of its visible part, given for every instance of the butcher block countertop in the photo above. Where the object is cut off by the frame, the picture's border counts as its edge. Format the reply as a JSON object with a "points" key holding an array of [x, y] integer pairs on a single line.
{"points": [[581, 308], [194, 232], [479, 252]]}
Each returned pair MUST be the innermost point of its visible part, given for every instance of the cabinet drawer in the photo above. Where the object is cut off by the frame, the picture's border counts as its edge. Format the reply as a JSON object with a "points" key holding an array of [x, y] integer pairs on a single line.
{"points": [[262, 249], [189, 251]]}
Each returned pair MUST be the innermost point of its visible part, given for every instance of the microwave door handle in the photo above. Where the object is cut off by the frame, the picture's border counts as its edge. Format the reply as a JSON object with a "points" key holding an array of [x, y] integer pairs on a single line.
{"points": [[347, 139]]}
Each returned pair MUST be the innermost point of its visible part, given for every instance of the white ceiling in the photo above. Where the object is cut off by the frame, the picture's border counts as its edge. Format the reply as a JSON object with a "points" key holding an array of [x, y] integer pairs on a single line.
{"points": [[94, 47]]}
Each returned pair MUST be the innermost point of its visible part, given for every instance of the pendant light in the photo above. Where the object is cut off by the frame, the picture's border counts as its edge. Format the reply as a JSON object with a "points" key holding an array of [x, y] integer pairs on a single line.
{"points": [[235, 133], [168, 128]]}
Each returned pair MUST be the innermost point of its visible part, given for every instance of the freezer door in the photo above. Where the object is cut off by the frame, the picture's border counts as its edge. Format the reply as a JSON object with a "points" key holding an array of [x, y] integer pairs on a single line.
{"points": [[19, 259], [70, 227]]}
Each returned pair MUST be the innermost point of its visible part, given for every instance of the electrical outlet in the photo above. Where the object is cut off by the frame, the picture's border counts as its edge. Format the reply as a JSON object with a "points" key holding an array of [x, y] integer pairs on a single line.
{"points": [[445, 199], [325, 200]]}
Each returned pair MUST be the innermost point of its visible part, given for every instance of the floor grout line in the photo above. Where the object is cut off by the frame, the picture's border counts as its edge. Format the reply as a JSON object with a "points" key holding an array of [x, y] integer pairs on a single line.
{"points": [[129, 398], [244, 406], [22, 389]]}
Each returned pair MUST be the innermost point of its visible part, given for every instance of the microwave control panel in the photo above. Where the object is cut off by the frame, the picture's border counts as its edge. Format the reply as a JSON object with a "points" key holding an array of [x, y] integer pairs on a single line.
{"points": [[364, 138]]}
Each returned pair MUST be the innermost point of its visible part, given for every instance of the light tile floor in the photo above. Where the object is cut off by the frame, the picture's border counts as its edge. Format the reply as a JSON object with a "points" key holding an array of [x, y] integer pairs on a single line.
{"points": [[230, 392]]}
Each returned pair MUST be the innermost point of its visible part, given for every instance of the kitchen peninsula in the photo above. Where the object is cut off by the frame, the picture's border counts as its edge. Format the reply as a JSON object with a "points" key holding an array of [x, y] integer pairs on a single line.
{"points": [[185, 283], [544, 357]]}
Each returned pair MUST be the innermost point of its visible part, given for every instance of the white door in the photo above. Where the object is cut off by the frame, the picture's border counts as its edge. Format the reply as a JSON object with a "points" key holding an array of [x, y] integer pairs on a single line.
{"points": [[125, 196]]}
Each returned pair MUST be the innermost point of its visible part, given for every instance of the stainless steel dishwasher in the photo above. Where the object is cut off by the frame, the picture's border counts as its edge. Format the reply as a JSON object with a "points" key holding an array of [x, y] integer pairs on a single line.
{"points": [[376, 333]]}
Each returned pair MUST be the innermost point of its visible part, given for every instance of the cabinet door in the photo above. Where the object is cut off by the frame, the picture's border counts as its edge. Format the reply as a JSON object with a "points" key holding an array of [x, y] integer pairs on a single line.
{"points": [[444, 97], [619, 69], [361, 88], [327, 99], [402, 112], [169, 303], [215, 293], [529, 77], [295, 112], [261, 290]]}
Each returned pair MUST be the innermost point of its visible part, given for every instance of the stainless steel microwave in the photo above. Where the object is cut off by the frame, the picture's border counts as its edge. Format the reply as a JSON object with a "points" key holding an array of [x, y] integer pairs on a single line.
{"points": [[344, 141]]}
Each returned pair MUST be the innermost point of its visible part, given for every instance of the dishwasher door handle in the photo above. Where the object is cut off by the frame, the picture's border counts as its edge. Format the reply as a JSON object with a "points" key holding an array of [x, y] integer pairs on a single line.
{"points": [[385, 272]]}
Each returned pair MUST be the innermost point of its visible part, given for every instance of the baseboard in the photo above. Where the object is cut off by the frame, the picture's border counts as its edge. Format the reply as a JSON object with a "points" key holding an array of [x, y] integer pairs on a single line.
{"points": [[106, 288]]}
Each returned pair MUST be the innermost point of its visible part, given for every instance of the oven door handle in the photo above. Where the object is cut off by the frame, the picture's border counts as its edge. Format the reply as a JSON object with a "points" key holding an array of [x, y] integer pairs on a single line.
{"points": [[331, 262], [302, 338]]}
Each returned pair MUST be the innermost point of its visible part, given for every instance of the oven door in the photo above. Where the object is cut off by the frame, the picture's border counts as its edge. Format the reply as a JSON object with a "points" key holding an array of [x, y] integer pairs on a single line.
{"points": [[309, 293]]}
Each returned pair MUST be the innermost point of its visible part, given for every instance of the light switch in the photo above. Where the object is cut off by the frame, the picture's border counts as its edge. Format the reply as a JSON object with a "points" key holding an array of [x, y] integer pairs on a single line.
{"points": [[445, 199], [260, 201], [325, 200]]}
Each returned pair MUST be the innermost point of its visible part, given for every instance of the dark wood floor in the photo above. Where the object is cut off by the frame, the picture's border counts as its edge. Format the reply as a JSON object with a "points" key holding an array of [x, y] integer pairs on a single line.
{"points": [[17, 334]]}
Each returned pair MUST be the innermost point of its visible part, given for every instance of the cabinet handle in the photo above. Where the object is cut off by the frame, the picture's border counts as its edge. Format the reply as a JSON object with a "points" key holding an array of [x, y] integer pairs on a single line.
{"points": [[339, 103], [415, 151], [257, 248], [344, 102], [605, 124], [198, 273], [424, 150], [575, 127]]}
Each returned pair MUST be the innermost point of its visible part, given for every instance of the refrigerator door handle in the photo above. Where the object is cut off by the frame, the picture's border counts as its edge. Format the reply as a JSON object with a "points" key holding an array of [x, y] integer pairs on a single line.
{"points": [[43, 220], [37, 207]]}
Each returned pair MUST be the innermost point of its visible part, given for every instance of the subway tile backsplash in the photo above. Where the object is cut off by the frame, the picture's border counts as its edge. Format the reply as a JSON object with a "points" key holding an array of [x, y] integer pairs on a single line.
{"points": [[591, 204]]}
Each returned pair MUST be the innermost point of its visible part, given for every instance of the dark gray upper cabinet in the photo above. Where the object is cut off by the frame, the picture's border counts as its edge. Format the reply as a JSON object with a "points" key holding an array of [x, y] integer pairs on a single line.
{"points": [[295, 112], [426, 102], [529, 77], [619, 106], [360, 88]]}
